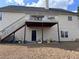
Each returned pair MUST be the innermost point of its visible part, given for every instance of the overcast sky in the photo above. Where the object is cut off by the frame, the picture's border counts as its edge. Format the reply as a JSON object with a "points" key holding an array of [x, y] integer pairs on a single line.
{"points": [[70, 5]]}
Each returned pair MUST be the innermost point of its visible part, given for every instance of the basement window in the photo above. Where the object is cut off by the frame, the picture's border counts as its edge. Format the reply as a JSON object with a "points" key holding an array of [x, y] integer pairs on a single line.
{"points": [[64, 34]]}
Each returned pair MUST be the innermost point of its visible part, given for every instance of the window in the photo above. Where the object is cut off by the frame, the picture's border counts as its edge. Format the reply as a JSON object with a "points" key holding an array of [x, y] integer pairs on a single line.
{"points": [[36, 17], [64, 34], [51, 17], [70, 18], [0, 15]]}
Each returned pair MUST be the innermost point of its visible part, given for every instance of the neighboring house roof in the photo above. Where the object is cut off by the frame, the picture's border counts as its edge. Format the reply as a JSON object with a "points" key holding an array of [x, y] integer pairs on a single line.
{"points": [[22, 9]]}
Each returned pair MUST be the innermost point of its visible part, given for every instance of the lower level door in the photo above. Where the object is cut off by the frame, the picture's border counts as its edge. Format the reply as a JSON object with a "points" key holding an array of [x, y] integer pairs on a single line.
{"points": [[33, 35]]}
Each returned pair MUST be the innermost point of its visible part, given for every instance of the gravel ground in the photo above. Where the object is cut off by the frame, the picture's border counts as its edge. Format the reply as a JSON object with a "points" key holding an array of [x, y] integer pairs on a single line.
{"points": [[65, 50]]}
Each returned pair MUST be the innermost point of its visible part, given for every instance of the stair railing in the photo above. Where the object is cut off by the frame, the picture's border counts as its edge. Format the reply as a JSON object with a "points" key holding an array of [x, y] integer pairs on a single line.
{"points": [[9, 29]]}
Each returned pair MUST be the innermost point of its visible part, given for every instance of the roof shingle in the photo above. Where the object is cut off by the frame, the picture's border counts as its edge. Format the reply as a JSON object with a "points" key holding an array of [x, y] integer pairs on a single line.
{"points": [[21, 9]]}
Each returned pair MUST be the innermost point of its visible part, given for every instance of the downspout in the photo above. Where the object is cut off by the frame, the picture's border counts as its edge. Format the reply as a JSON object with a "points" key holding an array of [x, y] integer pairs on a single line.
{"points": [[58, 33], [25, 33]]}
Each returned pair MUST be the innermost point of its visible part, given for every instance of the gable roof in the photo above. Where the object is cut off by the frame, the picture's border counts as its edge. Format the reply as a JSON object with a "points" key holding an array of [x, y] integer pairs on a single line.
{"points": [[22, 9]]}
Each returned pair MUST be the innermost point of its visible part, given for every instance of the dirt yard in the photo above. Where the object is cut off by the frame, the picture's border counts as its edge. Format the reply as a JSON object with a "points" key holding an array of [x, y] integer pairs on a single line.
{"points": [[65, 50]]}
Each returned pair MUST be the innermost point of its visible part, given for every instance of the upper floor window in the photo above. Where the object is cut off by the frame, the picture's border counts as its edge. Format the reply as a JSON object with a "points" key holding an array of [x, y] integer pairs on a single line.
{"points": [[70, 18], [36, 17], [0, 15], [78, 18], [51, 17]]}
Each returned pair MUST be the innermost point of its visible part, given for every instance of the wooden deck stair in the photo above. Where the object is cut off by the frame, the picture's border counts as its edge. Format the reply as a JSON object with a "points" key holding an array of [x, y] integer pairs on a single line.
{"points": [[14, 27]]}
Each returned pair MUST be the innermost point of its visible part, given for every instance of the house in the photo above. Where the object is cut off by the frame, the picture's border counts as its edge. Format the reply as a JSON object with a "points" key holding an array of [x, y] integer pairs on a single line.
{"points": [[31, 24]]}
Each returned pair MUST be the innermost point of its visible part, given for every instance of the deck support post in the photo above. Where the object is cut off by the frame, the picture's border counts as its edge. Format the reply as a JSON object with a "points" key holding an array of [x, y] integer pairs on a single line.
{"points": [[42, 32]]}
